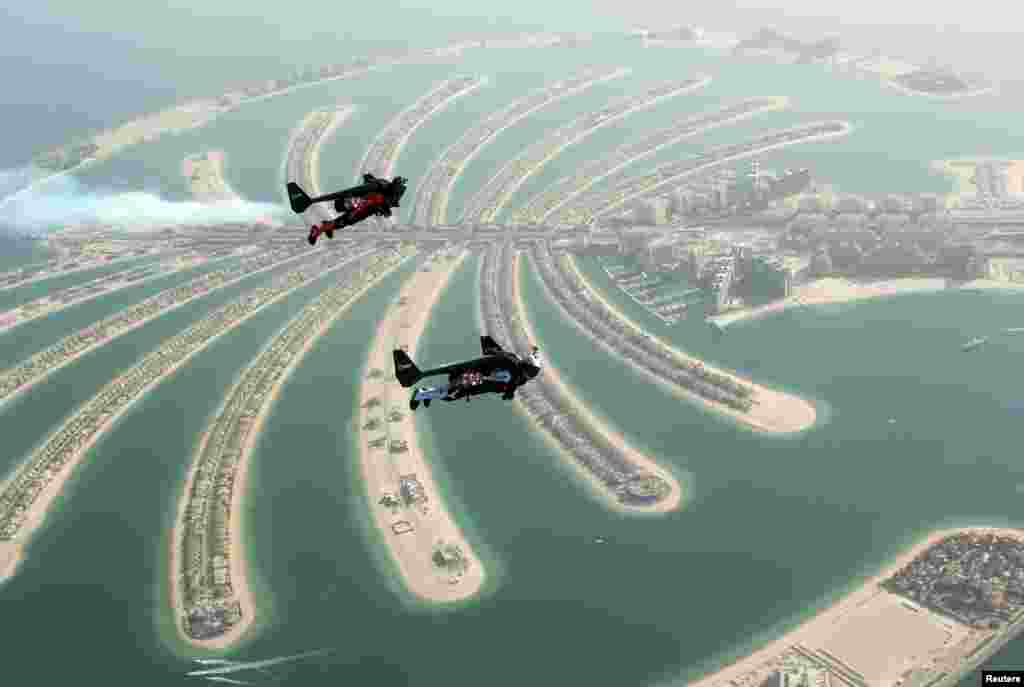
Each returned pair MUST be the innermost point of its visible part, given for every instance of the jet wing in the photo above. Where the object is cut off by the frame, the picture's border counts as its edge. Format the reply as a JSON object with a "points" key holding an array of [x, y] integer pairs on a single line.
{"points": [[360, 191], [450, 369], [489, 346]]}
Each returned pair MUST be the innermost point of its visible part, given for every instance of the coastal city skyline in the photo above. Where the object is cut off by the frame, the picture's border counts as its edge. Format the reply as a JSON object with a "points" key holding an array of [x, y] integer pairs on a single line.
{"points": [[772, 273]]}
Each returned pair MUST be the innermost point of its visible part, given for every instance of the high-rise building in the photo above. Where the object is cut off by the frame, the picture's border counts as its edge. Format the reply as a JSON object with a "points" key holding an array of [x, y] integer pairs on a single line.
{"points": [[718, 282], [755, 178]]}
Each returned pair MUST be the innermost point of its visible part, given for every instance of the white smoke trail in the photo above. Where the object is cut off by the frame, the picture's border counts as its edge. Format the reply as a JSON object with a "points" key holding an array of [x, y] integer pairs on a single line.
{"points": [[63, 201], [13, 180]]}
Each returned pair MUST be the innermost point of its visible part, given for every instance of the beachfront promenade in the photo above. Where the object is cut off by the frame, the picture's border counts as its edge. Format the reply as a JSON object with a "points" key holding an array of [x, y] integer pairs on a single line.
{"points": [[669, 175], [436, 186], [486, 203], [623, 476], [28, 493], [380, 157], [211, 598], [549, 201], [27, 374], [302, 155], [57, 300], [749, 403], [435, 560]]}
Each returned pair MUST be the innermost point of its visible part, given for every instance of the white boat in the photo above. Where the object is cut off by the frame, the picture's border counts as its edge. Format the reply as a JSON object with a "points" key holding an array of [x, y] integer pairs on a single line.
{"points": [[974, 343]]}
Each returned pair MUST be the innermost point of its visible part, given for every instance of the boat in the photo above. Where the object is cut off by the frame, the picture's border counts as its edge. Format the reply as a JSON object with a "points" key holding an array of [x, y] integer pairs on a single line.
{"points": [[974, 343], [213, 661]]}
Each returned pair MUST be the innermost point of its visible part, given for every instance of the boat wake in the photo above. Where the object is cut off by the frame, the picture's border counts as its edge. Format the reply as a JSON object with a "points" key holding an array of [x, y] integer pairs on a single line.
{"points": [[240, 666]]}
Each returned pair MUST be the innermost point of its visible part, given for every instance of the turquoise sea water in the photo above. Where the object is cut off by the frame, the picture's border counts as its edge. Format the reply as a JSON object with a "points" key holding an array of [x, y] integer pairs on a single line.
{"points": [[878, 157], [773, 528]]}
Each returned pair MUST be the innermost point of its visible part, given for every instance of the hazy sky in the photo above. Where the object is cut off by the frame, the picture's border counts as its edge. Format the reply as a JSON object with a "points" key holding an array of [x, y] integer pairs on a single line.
{"points": [[321, 16]]}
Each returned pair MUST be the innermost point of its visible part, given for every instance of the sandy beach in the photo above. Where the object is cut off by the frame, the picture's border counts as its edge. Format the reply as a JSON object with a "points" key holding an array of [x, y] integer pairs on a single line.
{"points": [[963, 170], [658, 183], [395, 148], [36, 513], [205, 177], [411, 532], [46, 306], [478, 209], [838, 290], [551, 375], [141, 322], [303, 165], [773, 412], [239, 561], [538, 208], [10, 557], [1015, 176], [433, 208], [312, 166], [814, 632], [82, 266]]}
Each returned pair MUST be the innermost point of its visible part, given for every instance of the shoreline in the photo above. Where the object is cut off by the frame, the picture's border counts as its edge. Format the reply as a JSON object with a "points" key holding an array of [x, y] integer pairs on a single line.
{"points": [[201, 111], [795, 414], [810, 630], [240, 562], [135, 325], [150, 133], [670, 503], [36, 513], [91, 265], [959, 95], [12, 318], [211, 186], [397, 148], [627, 196], [303, 166], [486, 212], [778, 103], [311, 164], [962, 170], [435, 205], [425, 523], [836, 290]]}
